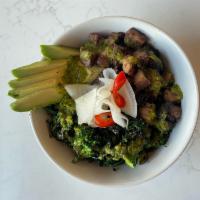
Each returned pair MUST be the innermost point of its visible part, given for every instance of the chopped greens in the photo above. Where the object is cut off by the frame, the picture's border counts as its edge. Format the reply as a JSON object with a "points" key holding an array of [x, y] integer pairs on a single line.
{"points": [[122, 145]]}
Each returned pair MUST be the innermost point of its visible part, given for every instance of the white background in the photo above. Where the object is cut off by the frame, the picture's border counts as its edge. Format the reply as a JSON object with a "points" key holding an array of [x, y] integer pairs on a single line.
{"points": [[25, 172]]}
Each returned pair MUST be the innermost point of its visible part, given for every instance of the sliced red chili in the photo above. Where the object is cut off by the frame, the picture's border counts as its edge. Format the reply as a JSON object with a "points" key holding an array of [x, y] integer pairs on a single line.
{"points": [[119, 99], [104, 119], [119, 81]]}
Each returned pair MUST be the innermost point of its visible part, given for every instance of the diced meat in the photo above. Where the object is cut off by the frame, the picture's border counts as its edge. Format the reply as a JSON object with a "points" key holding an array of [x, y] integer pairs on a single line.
{"points": [[140, 80], [144, 96], [170, 96], [103, 61], [134, 38], [116, 38], [142, 56], [95, 37], [170, 112], [174, 113], [168, 77]]}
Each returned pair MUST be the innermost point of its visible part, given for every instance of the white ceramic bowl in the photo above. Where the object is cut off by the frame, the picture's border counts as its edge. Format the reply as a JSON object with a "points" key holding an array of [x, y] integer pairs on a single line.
{"points": [[165, 156]]}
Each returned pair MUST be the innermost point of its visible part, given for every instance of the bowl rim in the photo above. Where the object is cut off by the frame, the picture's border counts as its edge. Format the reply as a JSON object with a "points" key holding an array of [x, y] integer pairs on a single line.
{"points": [[130, 184]]}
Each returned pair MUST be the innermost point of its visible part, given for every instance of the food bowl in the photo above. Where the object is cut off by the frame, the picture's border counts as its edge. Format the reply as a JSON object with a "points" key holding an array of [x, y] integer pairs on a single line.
{"points": [[62, 156]]}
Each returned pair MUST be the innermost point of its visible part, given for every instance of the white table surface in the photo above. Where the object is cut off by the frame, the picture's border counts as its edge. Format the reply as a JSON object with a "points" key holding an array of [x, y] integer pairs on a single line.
{"points": [[25, 172]]}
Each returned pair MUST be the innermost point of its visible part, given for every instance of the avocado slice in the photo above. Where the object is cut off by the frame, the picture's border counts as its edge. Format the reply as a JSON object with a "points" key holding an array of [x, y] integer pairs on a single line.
{"points": [[55, 73], [58, 52], [26, 90], [38, 67], [39, 99]]}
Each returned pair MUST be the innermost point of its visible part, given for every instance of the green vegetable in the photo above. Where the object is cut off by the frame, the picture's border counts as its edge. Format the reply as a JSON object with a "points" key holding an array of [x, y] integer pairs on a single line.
{"points": [[80, 73], [143, 156], [62, 119], [161, 123], [168, 77], [173, 94], [82, 142], [129, 64], [91, 46], [129, 153], [58, 52], [156, 81], [87, 57], [67, 105], [155, 61], [131, 144], [156, 140], [92, 74], [163, 126], [130, 161], [135, 127], [38, 67], [148, 113], [114, 53], [110, 147], [133, 150], [38, 99]]}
